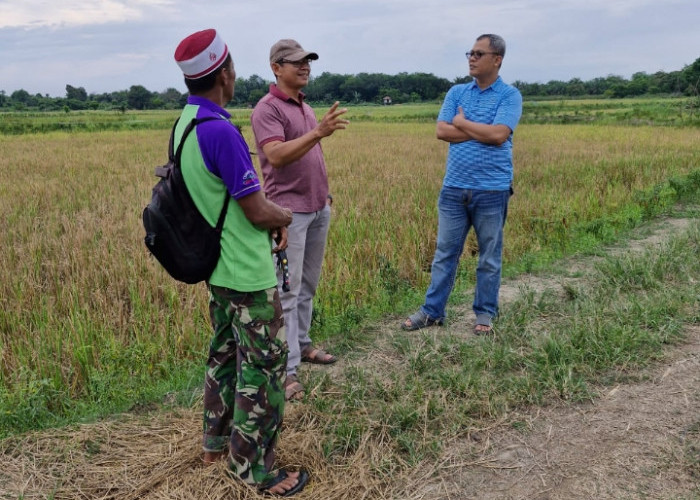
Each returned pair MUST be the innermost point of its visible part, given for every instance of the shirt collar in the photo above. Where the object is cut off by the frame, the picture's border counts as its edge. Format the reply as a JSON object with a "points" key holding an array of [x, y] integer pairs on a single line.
{"points": [[209, 105], [281, 95], [497, 83]]}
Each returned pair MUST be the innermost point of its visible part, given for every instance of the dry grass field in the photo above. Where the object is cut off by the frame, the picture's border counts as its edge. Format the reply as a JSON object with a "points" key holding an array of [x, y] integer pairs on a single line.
{"points": [[638, 439], [77, 282], [91, 326]]}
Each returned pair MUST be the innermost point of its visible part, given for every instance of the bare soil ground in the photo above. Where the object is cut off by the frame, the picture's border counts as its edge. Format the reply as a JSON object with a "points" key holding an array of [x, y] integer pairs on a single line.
{"points": [[639, 440]]}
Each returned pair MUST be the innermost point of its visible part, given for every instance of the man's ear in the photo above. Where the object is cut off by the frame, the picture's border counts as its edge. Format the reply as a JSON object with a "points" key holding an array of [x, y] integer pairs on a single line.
{"points": [[275, 68], [223, 77]]}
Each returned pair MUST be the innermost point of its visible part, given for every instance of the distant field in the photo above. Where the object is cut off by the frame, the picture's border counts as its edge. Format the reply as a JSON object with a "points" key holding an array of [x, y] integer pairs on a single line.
{"points": [[638, 111], [86, 313]]}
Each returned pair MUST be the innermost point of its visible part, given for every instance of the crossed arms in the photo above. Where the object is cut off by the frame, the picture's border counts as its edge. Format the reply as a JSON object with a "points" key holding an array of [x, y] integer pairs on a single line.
{"points": [[461, 130]]}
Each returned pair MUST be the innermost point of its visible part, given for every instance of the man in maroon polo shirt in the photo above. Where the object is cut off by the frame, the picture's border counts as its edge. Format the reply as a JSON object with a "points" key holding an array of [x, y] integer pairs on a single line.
{"points": [[288, 140]]}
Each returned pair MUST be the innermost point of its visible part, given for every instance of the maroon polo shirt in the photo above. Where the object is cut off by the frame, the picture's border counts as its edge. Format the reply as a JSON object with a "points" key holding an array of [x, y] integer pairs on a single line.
{"points": [[301, 186]]}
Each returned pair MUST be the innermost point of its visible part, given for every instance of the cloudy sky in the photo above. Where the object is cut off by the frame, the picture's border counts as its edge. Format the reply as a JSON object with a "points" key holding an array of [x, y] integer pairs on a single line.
{"points": [[110, 45]]}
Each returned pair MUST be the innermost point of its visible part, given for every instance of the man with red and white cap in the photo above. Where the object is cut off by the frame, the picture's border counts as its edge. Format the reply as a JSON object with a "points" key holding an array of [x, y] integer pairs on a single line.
{"points": [[288, 140], [244, 382]]}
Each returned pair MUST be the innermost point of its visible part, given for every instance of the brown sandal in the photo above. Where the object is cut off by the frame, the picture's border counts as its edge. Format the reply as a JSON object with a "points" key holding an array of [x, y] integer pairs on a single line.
{"points": [[211, 457], [317, 356], [293, 390]]}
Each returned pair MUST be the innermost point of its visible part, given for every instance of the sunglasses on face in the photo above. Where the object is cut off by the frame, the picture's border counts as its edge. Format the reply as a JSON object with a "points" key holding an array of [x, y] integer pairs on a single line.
{"points": [[296, 64], [478, 54]]}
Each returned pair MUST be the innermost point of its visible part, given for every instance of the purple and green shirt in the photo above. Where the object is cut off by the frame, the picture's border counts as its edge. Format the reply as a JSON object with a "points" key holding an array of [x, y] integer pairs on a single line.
{"points": [[215, 160]]}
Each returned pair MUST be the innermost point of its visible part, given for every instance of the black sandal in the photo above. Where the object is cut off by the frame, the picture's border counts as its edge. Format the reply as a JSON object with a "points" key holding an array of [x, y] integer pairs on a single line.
{"points": [[281, 476], [483, 332], [483, 326], [419, 320]]}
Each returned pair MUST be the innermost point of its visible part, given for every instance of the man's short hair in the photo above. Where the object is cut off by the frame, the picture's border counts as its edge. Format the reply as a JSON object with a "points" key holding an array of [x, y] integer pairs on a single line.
{"points": [[496, 43]]}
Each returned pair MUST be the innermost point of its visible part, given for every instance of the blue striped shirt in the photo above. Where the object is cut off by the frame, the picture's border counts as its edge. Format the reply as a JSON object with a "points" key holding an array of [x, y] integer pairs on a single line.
{"points": [[473, 164]]}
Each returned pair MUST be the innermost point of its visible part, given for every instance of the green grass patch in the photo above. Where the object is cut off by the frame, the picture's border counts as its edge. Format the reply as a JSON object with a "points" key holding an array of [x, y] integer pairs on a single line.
{"points": [[89, 324], [444, 385]]}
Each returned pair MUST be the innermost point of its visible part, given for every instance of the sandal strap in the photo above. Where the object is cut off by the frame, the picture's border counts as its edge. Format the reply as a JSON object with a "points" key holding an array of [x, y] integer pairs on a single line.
{"points": [[315, 353], [419, 319], [292, 387], [311, 354], [281, 476]]}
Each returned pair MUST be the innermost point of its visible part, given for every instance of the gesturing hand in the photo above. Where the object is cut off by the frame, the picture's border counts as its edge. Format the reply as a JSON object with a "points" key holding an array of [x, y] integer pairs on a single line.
{"points": [[331, 121]]}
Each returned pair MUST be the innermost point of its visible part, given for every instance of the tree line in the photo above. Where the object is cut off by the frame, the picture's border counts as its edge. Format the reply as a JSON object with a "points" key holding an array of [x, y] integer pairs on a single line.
{"points": [[370, 88]]}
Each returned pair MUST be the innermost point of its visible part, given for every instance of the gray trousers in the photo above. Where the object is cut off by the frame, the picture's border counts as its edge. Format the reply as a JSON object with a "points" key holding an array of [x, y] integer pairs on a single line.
{"points": [[306, 240]]}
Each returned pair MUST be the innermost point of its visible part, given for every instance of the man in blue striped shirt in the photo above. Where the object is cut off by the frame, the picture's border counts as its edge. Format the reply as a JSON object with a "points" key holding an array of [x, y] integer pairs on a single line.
{"points": [[477, 119]]}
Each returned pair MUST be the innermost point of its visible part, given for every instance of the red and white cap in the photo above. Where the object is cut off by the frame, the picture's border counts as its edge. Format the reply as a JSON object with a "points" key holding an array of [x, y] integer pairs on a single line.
{"points": [[200, 53]]}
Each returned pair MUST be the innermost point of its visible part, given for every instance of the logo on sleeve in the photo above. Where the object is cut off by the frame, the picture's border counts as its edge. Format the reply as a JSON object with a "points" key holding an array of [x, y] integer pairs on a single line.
{"points": [[249, 178]]}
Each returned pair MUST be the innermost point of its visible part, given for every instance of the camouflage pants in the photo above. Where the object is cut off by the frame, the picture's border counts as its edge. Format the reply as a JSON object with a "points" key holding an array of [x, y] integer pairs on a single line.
{"points": [[244, 382]]}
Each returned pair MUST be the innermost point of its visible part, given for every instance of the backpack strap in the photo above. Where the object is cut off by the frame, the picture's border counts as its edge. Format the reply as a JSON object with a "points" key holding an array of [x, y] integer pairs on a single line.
{"points": [[176, 159], [171, 156], [193, 123]]}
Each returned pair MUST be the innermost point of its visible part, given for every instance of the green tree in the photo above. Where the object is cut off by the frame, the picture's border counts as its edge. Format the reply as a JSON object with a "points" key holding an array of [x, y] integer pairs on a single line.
{"points": [[394, 94], [325, 87], [575, 87], [597, 86], [170, 99], [255, 95], [250, 90], [639, 85], [691, 78], [76, 93], [75, 104], [528, 89], [21, 96], [138, 97]]}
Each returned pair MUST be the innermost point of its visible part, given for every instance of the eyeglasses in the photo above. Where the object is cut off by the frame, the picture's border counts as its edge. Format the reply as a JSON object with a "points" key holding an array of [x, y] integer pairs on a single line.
{"points": [[296, 64], [478, 54]]}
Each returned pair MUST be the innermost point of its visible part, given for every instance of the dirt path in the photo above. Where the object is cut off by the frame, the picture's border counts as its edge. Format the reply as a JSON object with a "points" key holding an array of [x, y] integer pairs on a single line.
{"points": [[632, 442], [636, 441]]}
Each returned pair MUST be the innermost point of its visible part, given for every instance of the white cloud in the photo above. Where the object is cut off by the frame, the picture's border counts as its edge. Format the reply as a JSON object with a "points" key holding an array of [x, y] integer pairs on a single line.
{"points": [[107, 45], [69, 13]]}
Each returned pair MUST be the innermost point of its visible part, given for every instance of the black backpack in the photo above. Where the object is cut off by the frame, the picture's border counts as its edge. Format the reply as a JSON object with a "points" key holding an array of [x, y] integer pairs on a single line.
{"points": [[177, 235]]}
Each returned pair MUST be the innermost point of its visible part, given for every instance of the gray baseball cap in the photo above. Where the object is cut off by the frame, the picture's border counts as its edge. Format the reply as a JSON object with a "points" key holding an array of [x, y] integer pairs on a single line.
{"points": [[290, 50]]}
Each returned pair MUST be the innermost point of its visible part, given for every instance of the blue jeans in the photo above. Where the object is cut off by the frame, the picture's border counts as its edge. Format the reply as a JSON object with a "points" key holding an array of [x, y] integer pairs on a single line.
{"points": [[458, 211]]}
